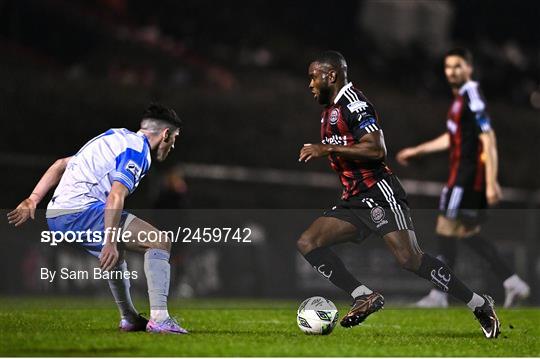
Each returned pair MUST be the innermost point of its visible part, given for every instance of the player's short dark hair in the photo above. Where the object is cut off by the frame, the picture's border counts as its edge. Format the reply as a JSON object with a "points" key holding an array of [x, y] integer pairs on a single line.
{"points": [[462, 52], [157, 111], [332, 58]]}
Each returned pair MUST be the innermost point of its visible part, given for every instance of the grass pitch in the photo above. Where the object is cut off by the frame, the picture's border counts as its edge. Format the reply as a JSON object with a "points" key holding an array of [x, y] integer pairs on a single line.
{"points": [[75, 327]]}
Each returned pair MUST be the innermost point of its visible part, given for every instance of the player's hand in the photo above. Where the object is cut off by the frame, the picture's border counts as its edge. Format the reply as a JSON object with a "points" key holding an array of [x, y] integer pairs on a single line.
{"points": [[493, 193], [109, 256], [310, 151], [405, 155], [26, 209]]}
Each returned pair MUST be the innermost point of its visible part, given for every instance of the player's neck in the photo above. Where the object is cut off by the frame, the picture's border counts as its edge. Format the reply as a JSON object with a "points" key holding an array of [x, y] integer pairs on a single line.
{"points": [[152, 139], [339, 85], [457, 87]]}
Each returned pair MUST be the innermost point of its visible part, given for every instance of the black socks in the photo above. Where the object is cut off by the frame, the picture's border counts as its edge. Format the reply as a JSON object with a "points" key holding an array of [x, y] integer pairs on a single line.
{"points": [[487, 250], [444, 279], [447, 249], [328, 264]]}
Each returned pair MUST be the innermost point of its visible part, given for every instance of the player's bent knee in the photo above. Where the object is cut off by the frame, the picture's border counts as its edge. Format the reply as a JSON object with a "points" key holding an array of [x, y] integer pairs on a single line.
{"points": [[409, 261], [306, 243], [467, 231], [165, 244], [446, 227]]}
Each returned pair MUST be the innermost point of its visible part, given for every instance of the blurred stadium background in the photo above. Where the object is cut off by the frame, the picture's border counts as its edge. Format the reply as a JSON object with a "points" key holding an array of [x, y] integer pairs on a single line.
{"points": [[237, 74]]}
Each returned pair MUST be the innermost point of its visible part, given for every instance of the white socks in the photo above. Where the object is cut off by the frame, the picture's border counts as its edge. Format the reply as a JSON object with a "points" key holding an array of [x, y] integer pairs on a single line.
{"points": [[120, 291], [159, 315], [157, 270]]}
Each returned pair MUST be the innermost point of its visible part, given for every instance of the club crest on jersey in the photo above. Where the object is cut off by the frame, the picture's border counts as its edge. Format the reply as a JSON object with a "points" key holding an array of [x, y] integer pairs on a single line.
{"points": [[133, 168], [456, 107], [334, 115]]}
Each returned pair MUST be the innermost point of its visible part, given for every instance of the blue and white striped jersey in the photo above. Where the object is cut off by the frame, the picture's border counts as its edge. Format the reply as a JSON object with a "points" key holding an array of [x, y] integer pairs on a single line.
{"points": [[116, 155]]}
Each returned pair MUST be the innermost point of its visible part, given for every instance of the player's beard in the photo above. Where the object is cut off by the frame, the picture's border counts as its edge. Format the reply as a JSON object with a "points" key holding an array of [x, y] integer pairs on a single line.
{"points": [[324, 96], [456, 85]]}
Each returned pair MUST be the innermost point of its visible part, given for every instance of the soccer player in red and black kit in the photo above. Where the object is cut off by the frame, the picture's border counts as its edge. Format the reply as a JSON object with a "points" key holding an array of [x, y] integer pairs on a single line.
{"points": [[472, 184], [372, 200]]}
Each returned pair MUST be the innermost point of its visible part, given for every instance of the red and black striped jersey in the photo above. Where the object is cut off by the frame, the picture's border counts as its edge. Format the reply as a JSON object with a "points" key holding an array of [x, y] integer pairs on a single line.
{"points": [[467, 119], [344, 122]]}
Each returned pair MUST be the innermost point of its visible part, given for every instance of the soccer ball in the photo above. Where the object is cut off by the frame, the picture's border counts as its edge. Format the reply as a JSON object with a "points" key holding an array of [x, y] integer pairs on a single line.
{"points": [[317, 315]]}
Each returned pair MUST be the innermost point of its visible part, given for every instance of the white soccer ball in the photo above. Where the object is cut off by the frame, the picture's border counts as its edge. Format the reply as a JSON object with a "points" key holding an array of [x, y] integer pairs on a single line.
{"points": [[317, 315]]}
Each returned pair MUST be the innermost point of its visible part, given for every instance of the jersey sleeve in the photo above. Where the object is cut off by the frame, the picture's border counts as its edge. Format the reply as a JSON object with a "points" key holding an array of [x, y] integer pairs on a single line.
{"points": [[362, 119], [477, 105], [130, 168]]}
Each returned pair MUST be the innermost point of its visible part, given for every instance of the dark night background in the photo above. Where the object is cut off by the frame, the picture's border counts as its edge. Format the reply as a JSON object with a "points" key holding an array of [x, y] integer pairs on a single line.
{"points": [[236, 72]]}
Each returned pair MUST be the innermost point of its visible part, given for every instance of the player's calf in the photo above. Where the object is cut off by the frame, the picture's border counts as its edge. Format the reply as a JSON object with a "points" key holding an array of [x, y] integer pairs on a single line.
{"points": [[156, 268], [314, 244]]}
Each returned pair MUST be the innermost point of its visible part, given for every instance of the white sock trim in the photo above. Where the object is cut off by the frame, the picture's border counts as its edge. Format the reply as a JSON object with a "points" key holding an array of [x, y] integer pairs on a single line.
{"points": [[159, 315], [475, 302], [361, 290]]}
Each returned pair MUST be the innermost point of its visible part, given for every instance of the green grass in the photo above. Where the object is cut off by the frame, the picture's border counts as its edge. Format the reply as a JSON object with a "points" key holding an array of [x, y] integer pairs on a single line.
{"points": [[75, 327]]}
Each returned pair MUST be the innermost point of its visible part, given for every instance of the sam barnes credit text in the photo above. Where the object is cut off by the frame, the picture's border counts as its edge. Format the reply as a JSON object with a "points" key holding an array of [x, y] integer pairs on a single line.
{"points": [[66, 273]]}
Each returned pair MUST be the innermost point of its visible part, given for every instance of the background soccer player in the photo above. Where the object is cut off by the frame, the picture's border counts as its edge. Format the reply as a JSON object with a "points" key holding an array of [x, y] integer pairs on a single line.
{"points": [[92, 186], [472, 183], [372, 200]]}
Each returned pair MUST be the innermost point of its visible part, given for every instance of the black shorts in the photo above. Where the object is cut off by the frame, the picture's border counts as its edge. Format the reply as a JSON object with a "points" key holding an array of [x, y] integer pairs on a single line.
{"points": [[465, 205], [381, 209]]}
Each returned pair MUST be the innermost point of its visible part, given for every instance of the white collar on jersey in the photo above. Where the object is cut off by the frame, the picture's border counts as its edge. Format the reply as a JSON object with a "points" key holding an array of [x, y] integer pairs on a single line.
{"points": [[467, 85], [342, 91]]}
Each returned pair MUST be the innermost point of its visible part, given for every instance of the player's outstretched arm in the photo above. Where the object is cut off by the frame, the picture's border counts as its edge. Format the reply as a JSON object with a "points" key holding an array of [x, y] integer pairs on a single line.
{"points": [[493, 189], [27, 208], [438, 144], [370, 147], [113, 211]]}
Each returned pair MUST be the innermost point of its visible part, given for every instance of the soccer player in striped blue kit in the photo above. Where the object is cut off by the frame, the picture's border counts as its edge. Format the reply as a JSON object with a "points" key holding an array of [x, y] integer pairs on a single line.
{"points": [[92, 187], [472, 183]]}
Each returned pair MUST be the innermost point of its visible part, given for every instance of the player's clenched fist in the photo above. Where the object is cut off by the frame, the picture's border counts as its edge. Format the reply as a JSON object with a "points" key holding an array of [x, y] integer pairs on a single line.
{"points": [[310, 151]]}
